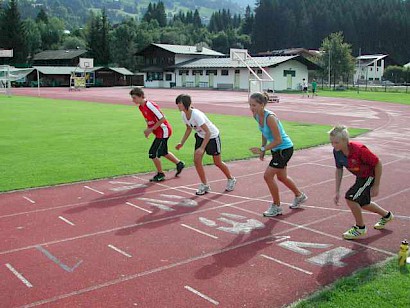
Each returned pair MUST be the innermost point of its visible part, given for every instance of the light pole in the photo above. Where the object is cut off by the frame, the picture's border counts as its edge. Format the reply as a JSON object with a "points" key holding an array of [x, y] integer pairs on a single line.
{"points": [[329, 69]]}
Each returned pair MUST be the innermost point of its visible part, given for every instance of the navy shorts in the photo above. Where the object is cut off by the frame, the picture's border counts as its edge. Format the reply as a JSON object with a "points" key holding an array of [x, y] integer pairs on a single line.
{"points": [[360, 191], [212, 148], [280, 158], [158, 148]]}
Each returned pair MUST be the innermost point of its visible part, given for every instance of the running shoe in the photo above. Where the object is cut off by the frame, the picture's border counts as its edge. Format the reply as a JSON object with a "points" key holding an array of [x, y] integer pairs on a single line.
{"points": [[203, 189], [354, 233], [298, 201], [159, 177], [230, 185], [383, 221], [273, 211], [180, 166]]}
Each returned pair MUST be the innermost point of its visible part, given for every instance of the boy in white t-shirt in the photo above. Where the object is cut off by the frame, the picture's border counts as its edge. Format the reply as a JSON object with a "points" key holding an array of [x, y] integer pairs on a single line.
{"points": [[207, 140]]}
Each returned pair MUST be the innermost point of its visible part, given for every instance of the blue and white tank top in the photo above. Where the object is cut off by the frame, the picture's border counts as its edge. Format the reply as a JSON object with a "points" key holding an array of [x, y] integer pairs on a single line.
{"points": [[267, 133]]}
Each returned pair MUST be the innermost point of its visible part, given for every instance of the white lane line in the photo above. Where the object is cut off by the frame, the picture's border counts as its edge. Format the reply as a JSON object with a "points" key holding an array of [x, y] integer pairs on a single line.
{"points": [[202, 295], [120, 251], [19, 276], [66, 220], [287, 264], [29, 200], [199, 231], [90, 188], [140, 208]]}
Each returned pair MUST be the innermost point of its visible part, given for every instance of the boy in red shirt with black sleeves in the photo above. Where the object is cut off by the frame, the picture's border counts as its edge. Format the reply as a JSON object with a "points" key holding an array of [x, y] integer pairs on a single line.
{"points": [[159, 126], [367, 168]]}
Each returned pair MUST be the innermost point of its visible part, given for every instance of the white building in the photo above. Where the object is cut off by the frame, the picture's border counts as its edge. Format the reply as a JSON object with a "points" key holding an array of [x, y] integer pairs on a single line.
{"points": [[223, 73], [369, 68]]}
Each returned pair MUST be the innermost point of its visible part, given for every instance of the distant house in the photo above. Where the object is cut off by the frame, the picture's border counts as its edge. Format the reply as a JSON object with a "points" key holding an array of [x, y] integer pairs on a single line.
{"points": [[97, 76], [369, 68], [159, 61], [59, 57], [223, 73]]}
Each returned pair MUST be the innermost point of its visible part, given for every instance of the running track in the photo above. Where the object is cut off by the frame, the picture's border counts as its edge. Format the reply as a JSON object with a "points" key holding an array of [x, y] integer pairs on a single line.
{"points": [[125, 242]]}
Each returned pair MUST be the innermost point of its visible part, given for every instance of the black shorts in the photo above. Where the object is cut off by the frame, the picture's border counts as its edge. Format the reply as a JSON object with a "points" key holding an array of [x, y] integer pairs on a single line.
{"points": [[313, 90], [360, 191], [158, 148], [280, 158], [212, 148], [305, 89]]}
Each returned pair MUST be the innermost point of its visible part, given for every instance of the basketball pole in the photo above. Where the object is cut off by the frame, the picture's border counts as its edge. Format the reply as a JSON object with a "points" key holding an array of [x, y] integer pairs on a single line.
{"points": [[38, 82]]}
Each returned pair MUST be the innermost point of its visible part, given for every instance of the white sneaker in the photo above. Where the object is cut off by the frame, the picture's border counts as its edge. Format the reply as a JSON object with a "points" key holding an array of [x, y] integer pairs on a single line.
{"points": [[231, 184], [272, 211], [203, 189], [298, 201]]}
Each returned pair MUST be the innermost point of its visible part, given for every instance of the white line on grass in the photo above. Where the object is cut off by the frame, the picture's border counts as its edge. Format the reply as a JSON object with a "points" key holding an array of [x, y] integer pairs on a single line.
{"points": [[19, 276], [66, 220], [137, 207], [90, 188], [120, 251], [287, 264], [29, 200], [202, 295], [199, 231]]}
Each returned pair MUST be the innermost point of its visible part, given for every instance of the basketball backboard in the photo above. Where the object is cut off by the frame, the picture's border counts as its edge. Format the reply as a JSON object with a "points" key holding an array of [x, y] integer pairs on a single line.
{"points": [[86, 63]]}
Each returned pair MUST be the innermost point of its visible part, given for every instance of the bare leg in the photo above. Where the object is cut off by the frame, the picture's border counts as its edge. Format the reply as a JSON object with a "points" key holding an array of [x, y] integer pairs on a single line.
{"points": [[158, 165], [282, 175], [200, 168], [269, 178], [172, 158], [221, 165], [375, 208], [356, 211]]}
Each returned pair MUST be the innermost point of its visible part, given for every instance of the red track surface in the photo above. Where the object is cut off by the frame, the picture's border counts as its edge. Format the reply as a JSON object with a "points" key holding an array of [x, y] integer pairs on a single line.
{"points": [[124, 242]]}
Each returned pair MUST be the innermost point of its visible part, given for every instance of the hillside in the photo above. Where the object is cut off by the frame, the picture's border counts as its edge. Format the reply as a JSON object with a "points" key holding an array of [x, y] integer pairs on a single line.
{"points": [[76, 12]]}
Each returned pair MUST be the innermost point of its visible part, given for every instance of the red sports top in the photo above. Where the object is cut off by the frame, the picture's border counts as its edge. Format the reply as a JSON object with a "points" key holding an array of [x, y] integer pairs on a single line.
{"points": [[152, 115], [360, 161]]}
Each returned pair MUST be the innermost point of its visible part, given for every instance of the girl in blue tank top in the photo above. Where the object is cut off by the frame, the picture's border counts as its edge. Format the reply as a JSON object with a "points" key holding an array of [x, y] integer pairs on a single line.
{"points": [[274, 139]]}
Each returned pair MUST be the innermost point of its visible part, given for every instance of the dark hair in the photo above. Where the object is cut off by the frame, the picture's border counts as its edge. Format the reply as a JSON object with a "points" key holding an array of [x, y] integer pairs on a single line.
{"points": [[185, 99], [137, 92], [261, 98]]}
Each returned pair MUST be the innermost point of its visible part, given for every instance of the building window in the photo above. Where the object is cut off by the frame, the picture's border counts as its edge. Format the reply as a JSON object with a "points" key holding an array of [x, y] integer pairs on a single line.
{"points": [[224, 72], [197, 72], [155, 76], [168, 77], [259, 72], [209, 72], [371, 78], [371, 69], [377, 78], [237, 71], [289, 72], [183, 72]]}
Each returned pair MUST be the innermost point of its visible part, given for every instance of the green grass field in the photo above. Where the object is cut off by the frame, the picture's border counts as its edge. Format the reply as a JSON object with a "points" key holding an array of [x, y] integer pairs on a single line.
{"points": [[383, 285], [46, 141], [400, 98]]}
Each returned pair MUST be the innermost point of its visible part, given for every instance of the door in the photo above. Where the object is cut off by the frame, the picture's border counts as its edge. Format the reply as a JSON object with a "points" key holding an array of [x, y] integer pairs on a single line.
{"points": [[183, 79], [211, 80], [237, 79], [289, 81]]}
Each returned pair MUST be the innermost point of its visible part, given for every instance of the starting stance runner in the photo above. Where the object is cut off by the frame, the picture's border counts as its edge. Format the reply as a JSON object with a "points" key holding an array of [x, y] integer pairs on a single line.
{"points": [[159, 126], [367, 168], [274, 139], [206, 140]]}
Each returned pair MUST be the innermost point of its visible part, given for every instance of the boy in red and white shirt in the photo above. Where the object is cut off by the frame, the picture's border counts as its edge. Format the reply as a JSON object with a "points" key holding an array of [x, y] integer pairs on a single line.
{"points": [[367, 168], [160, 127]]}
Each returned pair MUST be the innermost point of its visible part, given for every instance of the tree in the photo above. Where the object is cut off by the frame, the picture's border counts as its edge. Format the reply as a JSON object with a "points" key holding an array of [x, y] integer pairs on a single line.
{"points": [[197, 19], [123, 46], [98, 39], [337, 57], [33, 37], [42, 16], [248, 21], [14, 34], [51, 33]]}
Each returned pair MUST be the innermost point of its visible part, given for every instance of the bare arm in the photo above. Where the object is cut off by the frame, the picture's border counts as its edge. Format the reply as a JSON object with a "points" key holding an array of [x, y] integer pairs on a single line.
{"points": [[377, 176], [339, 177], [185, 137], [277, 139]]}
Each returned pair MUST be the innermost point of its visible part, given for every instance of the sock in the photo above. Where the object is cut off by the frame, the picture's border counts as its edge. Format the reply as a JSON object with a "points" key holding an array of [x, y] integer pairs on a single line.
{"points": [[361, 227], [387, 215]]}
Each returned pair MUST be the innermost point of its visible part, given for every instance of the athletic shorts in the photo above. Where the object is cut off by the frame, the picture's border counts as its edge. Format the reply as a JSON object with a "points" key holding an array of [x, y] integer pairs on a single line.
{"points": [[313, 90], [158, 148], [212, 148], [305, 89], [280, 158], [360, 191]]}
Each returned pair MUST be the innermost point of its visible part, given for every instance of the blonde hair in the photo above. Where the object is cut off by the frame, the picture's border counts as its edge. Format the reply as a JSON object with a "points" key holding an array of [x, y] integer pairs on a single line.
{"points": [[339, 131]]}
